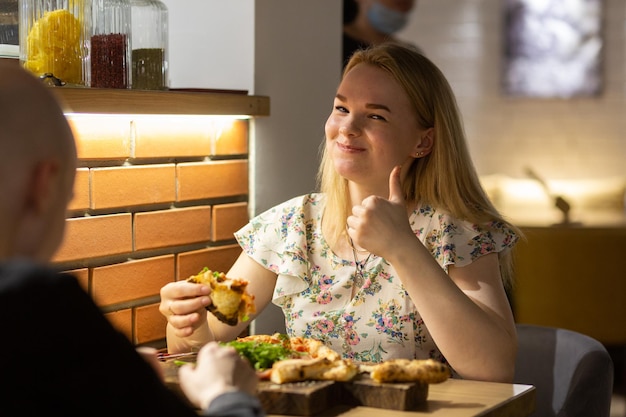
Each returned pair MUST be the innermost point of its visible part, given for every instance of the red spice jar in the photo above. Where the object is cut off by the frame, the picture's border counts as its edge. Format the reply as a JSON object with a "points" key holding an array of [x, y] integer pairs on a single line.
{"points": [[111, 44]]}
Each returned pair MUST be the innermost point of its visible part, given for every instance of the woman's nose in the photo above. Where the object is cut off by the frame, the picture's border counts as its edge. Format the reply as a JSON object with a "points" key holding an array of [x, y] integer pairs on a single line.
{"points": [[348, 128]]}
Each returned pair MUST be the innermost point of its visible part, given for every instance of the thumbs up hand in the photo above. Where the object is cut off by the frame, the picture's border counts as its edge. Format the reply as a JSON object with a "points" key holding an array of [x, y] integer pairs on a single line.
{"points": [[395, 187], [378, 224]]}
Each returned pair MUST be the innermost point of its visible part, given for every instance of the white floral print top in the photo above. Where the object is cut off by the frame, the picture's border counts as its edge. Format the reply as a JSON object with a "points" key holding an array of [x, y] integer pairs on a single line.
{"points": [[314, 285]]}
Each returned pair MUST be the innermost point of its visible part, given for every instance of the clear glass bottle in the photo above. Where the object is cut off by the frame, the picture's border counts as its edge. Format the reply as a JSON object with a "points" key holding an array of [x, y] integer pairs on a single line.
{"points": [[150, 45], [9, 28], [54, 38], [110, 44]]}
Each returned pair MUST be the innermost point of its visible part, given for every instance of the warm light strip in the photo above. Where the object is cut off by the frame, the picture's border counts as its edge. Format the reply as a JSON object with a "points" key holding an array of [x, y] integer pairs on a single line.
{"points": [[211, 117], [95, 124], [216, 123]]}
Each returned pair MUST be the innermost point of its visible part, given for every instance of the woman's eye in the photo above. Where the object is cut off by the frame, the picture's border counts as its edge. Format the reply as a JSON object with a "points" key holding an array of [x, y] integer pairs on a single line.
{"points": [[377, 117], [341, 109]]}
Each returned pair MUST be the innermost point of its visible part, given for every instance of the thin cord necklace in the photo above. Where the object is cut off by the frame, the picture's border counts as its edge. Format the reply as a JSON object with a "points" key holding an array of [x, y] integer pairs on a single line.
{"points": [[359, 277]]}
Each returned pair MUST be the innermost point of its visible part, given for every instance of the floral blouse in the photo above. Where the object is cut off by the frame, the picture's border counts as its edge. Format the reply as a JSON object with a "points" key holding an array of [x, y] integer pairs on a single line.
{"points": [[314, 286]]}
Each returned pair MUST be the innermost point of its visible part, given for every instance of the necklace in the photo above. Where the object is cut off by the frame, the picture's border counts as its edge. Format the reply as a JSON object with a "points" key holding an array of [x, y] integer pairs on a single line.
{"points": [[359, 277]]}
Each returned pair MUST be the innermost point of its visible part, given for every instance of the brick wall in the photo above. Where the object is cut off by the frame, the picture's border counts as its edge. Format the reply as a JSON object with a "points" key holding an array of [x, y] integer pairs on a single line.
{"points": [[156, 199]]}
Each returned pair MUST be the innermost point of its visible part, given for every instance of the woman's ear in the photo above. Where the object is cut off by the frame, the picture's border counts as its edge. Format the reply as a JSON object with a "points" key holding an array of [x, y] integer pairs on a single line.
{"points": [[425, 145]]}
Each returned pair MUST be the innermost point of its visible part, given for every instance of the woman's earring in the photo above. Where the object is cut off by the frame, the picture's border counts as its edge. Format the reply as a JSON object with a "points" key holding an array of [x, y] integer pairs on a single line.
{"points": [[419, 154]]}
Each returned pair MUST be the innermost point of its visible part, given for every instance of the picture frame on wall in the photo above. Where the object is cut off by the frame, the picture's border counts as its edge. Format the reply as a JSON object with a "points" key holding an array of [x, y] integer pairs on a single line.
{"points": [[553, 48]]}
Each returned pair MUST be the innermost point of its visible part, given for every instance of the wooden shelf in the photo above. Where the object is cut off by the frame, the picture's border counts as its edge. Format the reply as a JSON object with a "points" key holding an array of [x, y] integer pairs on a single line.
{"points": [[113, 101]]}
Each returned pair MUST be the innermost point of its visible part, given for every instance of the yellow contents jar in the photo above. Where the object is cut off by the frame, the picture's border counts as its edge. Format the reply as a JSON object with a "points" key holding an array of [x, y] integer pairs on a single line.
{"points": [[54, 39]]}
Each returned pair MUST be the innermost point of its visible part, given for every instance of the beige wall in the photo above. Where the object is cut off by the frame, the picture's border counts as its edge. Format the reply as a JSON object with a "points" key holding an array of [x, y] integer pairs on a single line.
{"points": [[566, 139], [560, 139]]}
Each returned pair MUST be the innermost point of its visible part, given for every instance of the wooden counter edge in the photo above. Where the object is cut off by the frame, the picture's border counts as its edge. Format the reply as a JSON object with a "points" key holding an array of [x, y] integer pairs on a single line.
{"points": [[116, 101]]}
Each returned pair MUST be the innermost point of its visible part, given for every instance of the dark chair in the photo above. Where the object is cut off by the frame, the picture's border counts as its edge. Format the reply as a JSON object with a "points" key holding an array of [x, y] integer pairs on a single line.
{"points": [[572, 372]]}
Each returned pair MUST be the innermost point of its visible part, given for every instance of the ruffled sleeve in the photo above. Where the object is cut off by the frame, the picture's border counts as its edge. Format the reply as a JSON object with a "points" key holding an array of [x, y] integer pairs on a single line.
{"points": [[277, 239], [457, 242]]}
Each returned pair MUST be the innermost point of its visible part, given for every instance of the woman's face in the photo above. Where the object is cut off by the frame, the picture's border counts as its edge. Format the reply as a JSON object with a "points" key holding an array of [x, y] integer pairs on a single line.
{"points": [[372, 127]]}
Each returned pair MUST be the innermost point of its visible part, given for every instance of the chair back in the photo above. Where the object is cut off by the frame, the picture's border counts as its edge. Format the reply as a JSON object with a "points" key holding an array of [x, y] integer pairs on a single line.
{"points": [[572, 372]]}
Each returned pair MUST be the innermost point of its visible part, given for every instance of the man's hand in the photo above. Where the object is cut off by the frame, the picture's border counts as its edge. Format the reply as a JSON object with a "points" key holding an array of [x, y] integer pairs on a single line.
{"points": [[218, 370]]}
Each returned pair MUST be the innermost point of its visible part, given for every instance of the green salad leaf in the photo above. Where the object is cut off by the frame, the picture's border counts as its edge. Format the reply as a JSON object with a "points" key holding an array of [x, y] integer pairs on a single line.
{"points": [[261, 355]]}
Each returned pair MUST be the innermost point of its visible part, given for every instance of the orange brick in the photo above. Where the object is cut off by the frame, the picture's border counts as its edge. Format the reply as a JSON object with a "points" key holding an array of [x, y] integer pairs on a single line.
{"points": [[80, 201], [131, 280], [101, 136], [198, 180], [158, 229], [232, 139], [149, 324], [132, 185], [82, 275], [122, 320], [91, 237], [217, 259], [227, 219], [168, 136]]}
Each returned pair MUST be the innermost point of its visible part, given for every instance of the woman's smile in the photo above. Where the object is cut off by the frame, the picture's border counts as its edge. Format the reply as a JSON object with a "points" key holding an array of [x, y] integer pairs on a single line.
{"points": [[349, 148]]}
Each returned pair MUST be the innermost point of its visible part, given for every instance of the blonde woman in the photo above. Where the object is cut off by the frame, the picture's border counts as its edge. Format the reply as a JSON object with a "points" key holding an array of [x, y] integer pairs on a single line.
{"points": [[400, 254]]}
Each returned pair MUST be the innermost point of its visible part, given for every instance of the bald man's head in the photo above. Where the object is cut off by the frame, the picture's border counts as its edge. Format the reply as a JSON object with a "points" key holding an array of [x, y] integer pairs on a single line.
{"points": [[37, 166], [32, 122]]}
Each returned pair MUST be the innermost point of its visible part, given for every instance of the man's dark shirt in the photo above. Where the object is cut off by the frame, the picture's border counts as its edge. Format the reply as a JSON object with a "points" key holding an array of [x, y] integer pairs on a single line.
{"points": [[61, 356]]}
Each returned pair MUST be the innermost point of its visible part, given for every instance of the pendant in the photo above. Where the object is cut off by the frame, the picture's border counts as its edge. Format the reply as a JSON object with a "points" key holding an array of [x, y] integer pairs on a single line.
{"points": [[358, 280]]}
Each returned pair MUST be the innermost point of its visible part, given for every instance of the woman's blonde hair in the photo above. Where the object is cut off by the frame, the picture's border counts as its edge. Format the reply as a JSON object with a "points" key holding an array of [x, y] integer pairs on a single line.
{"points": [[445, 178]]}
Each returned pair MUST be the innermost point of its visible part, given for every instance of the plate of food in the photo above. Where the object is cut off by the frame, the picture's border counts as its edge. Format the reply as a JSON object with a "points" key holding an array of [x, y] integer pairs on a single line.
{"points": [[302, 376]]}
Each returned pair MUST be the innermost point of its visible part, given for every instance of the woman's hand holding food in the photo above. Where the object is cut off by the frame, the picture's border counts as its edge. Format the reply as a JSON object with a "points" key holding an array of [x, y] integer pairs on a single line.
{"points": [[184, 305]]}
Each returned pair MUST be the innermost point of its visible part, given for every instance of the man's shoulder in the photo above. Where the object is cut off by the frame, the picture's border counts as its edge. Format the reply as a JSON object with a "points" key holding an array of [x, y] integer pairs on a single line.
{"points": [[20, 273]]}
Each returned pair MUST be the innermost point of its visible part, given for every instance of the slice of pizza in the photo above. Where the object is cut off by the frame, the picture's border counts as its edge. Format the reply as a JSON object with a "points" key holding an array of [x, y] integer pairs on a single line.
{"points": [[262, 351], [315, 369], [429, 371], [313, 348], [231, 303], [283, 359], [276, 338]]}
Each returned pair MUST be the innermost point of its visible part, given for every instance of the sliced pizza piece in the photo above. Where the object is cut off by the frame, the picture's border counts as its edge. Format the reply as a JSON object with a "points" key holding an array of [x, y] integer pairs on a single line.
{"points": [[276, 338], [313, 348], [429, 371], [231, 303], [261, 354], [315, 369], [292, 359], [341, 370]]}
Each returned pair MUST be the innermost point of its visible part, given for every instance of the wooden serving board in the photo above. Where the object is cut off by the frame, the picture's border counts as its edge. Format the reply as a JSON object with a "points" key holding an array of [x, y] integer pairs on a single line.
{"points": [[298, 398], [403, 396], [313, 397]]}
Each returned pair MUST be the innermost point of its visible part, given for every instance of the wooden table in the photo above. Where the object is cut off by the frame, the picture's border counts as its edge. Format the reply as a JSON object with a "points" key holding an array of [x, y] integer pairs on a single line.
{"points": [[452, 398], [458, 398]]}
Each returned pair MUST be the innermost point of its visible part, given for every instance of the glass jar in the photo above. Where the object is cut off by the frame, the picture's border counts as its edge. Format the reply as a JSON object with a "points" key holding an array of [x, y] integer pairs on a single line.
{"points": [[54, 38], [149, 42], [9, 28], [110, 44]]}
